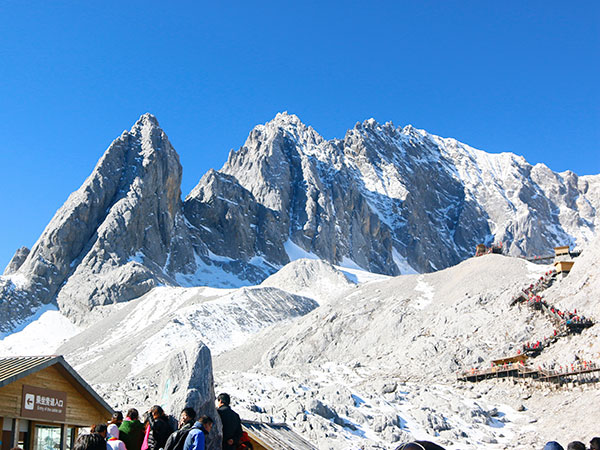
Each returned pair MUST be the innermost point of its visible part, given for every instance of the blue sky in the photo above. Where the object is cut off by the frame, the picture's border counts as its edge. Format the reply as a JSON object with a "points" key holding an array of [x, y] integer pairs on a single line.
{"points": [[500, 76]]}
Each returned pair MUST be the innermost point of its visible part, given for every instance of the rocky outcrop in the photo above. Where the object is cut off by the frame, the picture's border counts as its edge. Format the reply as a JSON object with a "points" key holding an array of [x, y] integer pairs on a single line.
{"points": [[115, 237], [17, 260], [389, 200], [187, 380], [235, 226], [386, 199]]}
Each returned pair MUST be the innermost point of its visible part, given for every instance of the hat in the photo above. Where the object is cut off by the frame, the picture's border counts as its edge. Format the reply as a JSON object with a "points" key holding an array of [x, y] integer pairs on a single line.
{"points": [[113, 431]]}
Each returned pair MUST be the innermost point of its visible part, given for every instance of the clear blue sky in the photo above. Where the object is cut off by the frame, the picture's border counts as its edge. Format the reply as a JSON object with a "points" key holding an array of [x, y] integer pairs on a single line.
{"points": [[519, 76]]}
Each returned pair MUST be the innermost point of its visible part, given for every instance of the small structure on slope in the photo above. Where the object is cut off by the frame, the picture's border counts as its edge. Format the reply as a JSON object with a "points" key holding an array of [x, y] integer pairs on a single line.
{"points": [[520, 358], [274, 436], [562, 260], [482, 249]]}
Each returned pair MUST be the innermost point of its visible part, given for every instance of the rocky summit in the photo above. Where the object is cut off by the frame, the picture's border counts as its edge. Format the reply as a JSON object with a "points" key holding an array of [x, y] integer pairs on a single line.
{"points": [[385, 199]]}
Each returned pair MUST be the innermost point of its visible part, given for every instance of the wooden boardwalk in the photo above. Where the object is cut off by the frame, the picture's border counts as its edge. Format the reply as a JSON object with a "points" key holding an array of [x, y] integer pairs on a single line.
{"points": [[566, 323], [524, 371]]}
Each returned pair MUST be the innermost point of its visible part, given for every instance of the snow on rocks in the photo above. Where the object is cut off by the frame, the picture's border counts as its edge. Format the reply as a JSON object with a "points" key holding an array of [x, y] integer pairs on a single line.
{"points": [[40, 334], [376, 365], [310, 278]]}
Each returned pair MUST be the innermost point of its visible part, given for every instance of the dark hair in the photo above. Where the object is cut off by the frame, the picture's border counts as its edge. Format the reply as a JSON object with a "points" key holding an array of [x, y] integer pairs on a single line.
{"points": [[576, 445], [419, 445], [99, 428], [90, 442], [224, 398], [205, 419], [595, 443], [190, 412], [133, 414], [156, 409], [117, 417]]}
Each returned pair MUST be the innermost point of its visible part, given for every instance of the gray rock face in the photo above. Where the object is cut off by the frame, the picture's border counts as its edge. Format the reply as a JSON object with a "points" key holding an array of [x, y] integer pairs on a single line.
{"points": [[110, 242], [235, 225], [17, 260], [187, 380], [390, 200]]}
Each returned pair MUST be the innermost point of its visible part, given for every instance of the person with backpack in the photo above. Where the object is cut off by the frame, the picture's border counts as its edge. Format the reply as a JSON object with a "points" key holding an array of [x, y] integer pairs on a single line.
{"points": [[196, 438], [186, 422], [159, 428]]}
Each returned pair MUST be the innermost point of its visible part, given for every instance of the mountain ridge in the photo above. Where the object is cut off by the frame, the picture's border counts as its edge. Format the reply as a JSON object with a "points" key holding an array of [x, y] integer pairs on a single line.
{"points": [[384, 198]]}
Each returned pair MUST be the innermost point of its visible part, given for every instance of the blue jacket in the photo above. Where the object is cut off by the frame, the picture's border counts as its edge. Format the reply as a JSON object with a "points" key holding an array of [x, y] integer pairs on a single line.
{"points": [[195, 439]]}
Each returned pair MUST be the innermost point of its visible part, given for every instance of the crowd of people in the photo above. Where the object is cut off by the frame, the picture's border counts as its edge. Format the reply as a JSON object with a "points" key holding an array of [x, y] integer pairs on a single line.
{"points": [[574, 445], [569, 322], [531, 294], [552, 445], [158, 431]]}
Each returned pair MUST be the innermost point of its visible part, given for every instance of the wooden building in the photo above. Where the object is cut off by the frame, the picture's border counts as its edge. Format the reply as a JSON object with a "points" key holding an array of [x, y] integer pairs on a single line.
{"points": [[563, 267], [274, 436], [480, 249], [520, 358], [562, 251], [44, 402]]}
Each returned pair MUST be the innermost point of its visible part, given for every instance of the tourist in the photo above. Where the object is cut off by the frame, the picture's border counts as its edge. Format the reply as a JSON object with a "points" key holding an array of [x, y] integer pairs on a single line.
{"points": [[131, 430], [595, 443], [113, 438], [232, 426], [91, 441], [117, 418], [419, 445], [178, 438], [101, 430], [553, 445], [159, 428], [196, 438], [576, 445]]}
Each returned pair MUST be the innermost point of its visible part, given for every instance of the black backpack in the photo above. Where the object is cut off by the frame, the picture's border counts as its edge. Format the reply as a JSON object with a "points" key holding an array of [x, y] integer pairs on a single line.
{"points": [[177, 439]]}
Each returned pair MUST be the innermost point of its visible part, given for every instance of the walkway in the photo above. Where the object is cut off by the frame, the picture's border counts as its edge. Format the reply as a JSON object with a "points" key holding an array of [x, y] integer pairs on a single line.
{"points": [[567, 322]]}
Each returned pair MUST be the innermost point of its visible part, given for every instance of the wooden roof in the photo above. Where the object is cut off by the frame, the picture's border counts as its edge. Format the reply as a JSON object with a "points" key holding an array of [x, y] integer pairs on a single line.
{"points": [[563, 250], [564, 266], [275, 436], [17, 367], [510, 359]]}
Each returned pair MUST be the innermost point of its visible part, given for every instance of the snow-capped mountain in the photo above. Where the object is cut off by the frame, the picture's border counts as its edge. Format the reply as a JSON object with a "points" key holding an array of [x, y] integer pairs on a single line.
{"points": [[390, 199], [385, 199]]}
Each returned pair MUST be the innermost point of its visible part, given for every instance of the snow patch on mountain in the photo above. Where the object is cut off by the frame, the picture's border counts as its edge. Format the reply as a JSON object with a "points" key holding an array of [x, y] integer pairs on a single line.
{"points": [[310, 278], [427, 292], [211, 271], [40, 334], [294, 251]]}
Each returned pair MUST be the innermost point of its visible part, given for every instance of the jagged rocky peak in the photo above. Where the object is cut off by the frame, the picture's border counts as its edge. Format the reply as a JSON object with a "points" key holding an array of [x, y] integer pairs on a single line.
{"points": [[17, 260], [265, 165], [390, 200], [131, 246], [111, 240]]}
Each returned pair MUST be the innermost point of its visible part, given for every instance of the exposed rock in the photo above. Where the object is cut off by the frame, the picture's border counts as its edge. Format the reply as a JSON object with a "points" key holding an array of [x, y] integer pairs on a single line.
{"points": [[17, 260], [389, 200], [117, 236]]}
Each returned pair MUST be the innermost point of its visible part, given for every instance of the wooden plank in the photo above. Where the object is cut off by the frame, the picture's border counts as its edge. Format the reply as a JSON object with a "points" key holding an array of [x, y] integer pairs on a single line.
{"points": [[63, 436], [15, 435]]}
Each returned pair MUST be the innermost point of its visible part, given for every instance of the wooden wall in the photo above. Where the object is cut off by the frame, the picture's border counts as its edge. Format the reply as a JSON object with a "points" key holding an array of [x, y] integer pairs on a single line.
{"points": [[82, 410]]}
